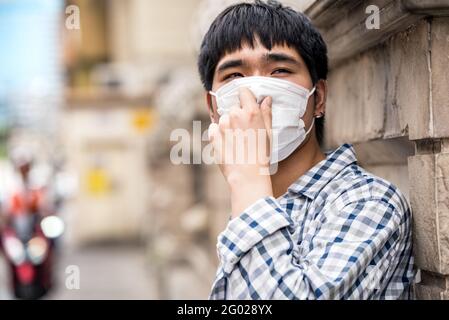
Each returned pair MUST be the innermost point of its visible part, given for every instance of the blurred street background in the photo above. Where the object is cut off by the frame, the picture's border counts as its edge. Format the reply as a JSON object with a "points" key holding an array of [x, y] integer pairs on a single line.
{"points": [[89, 94]]}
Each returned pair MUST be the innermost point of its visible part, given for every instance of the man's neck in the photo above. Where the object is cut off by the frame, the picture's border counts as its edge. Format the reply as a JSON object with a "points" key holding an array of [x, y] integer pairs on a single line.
{"points": [[296, 165]]}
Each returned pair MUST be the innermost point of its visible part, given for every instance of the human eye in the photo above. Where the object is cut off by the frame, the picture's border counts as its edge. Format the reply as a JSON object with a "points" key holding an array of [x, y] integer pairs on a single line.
{"points": [[232, 76], [281, 71]]}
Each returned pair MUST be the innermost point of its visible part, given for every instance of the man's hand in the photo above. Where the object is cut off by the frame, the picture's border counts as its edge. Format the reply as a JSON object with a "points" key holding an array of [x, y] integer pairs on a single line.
{"points": [[241, 142]]}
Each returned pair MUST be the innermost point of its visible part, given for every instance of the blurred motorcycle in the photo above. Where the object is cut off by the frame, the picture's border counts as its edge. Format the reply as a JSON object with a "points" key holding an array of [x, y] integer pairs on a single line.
{"points": [[28, 238]]}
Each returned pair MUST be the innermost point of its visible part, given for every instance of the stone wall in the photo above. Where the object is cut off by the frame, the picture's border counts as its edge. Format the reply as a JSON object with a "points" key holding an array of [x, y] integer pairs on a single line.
{"points": [[389, 95]]}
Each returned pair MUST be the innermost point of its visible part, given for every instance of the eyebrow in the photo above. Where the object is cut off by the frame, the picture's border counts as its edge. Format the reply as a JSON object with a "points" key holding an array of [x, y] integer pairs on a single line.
{"points": [[281, 57], [270, 57], [230, 64]]}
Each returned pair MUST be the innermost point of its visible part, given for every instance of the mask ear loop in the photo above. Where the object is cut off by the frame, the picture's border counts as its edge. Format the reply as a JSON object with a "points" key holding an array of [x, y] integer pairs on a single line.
{"points": [[216, 98], [214, 95], [311, 92], [311, 127], [313, 119]]}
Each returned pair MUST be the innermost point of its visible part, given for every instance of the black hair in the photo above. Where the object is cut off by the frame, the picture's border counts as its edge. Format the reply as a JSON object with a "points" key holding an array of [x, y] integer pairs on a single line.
{"points": [[272, 24]]}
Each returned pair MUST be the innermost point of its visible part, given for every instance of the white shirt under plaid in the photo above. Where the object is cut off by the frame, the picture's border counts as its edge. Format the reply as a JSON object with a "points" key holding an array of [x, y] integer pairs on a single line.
{"points": [[338, 233]]}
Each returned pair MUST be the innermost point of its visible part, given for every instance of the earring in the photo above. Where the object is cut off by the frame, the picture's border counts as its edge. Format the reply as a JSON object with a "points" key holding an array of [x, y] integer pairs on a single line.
{"points": [[320, 116]]}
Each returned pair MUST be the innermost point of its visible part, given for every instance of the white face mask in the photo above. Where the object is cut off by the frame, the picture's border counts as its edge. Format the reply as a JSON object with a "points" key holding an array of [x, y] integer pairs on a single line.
{"points": [[289, 103]]}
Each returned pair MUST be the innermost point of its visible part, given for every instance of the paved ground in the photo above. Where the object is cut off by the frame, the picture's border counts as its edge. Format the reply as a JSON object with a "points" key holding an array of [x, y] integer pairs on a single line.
{"points": [[4, 292], [106, 272]]}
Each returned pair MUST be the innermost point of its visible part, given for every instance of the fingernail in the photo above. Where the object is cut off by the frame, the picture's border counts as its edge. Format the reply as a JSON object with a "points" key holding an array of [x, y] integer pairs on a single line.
{"points": [[267, 101]]}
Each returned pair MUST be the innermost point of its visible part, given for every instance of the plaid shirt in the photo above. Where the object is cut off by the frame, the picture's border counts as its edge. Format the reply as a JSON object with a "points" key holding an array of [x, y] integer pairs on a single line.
{"points": [[338, 233]]}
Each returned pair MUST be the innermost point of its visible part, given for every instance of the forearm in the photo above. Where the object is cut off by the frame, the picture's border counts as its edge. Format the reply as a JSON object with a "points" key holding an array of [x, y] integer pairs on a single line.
{"points": [[269, 274], [256, 249]]}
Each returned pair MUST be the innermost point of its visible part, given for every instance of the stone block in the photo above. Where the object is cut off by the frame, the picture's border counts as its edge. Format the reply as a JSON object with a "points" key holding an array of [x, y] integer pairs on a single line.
{"points": [[432, 287], [385, 152], [440, 76], [408, 108], [423, 202], [383, 92], [429, 293], [356, 101], [442, 205], [429, 185]]}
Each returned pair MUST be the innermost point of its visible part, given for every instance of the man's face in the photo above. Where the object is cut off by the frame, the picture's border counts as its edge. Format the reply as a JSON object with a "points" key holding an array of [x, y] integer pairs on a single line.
{"points": [[280, 62]]}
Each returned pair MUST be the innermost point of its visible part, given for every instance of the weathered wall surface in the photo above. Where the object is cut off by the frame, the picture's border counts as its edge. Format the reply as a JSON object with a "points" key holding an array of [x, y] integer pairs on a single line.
{"points": [[389, 95]]}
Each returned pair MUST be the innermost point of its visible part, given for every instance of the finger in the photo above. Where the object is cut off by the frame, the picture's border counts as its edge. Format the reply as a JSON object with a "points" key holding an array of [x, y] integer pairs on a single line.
{"points": [[267, 114], [265, 108], [247, 99], [224, 123], [235, 114]]}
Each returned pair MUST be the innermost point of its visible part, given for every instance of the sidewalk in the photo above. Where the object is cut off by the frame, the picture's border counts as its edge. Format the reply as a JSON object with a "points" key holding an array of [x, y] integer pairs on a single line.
{"points": [[106, 272], [4, 290]]}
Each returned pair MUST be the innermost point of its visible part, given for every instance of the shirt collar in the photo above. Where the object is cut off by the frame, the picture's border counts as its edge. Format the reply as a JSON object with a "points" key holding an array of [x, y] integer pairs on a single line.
{"points": [[316, 178]]}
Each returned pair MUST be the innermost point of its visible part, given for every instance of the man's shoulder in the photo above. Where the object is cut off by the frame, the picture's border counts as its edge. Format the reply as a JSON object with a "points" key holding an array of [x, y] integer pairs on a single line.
{"points": [[355, 184]]}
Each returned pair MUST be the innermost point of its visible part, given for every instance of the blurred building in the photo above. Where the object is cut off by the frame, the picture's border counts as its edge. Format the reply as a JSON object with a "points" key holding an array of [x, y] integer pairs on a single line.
{"points": [[132, 80]]}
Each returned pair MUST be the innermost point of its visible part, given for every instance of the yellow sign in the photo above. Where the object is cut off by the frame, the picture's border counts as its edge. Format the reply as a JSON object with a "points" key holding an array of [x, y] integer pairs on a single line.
{"points": [[98, 182], [143, 119]]}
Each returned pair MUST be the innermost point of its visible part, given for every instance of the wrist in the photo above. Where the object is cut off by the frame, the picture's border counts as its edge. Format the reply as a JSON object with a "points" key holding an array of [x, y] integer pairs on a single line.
{"points": [[238, 182], [246, 191]]}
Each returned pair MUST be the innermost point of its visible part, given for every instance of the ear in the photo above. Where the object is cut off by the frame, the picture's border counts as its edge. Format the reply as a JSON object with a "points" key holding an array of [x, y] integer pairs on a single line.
{"points": [[212, 107], [320, 98]]}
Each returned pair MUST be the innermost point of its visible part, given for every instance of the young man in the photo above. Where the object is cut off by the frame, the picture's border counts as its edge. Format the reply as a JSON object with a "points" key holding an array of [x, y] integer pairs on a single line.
{"points": [[320, 227]]}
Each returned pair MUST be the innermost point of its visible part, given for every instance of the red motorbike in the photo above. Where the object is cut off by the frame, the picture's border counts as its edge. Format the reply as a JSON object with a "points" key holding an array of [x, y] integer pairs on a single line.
{"points": [[28, 241]]}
